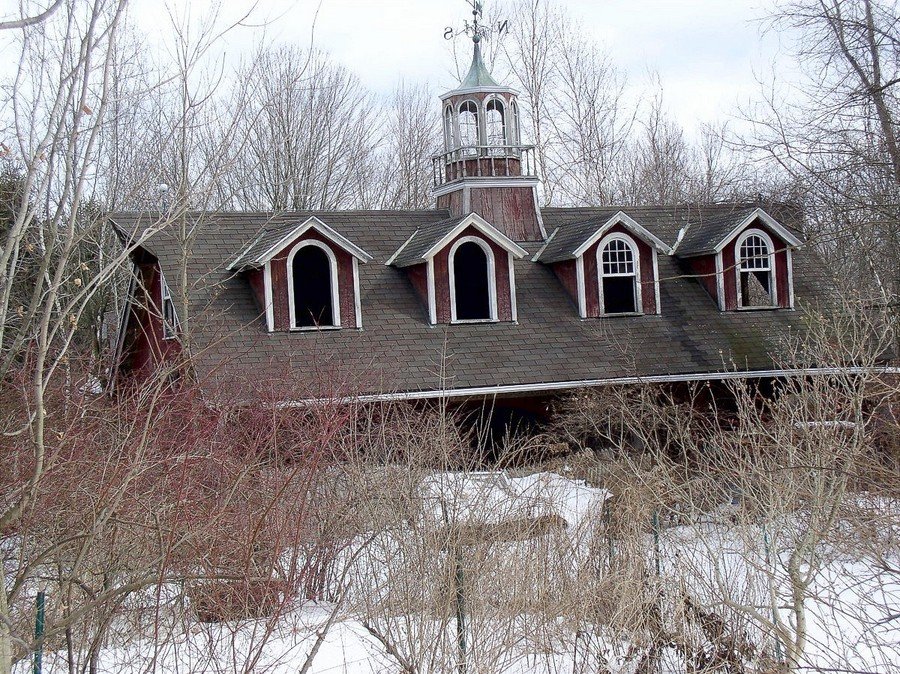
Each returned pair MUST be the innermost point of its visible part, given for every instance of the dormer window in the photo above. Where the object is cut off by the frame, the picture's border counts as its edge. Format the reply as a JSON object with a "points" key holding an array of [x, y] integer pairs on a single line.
{"points": [[313, 286], [304, 276], [496, 123], [473, 291], [619, 273], [756, 264]]}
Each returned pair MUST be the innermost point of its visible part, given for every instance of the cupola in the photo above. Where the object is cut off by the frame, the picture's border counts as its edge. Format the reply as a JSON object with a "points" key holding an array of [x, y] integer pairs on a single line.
{"points": [[485, 168]]}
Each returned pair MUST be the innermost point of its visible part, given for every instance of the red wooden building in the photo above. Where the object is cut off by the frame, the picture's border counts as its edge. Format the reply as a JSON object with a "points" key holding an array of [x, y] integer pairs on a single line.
{"points": [[486, 295]]}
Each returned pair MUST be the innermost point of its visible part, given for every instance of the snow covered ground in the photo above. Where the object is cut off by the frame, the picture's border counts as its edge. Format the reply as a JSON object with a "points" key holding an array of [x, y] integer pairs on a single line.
{"points": [[398, 612]]}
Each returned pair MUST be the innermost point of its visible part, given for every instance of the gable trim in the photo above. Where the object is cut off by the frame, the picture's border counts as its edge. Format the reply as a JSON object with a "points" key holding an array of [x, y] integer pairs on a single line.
{"points": [[483, 226], [769, 221], [622, 218], [310, 223]]}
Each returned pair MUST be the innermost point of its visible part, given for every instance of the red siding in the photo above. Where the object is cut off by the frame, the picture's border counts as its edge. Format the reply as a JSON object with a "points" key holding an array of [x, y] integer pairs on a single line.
{"points": [[509, 209], [705, 269], [280, 290], [568, 276], [442, 278], [256, 278], [144, 346]]}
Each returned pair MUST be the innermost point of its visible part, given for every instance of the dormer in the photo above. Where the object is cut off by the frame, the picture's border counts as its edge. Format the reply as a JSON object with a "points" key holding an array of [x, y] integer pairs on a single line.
{"points": [[304, 276], [608, 266], [743, 259], [462, 270]]}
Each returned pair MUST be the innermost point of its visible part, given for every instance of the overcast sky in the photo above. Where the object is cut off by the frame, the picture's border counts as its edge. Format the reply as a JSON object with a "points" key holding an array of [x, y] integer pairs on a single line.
{"points": [[708, 53]]}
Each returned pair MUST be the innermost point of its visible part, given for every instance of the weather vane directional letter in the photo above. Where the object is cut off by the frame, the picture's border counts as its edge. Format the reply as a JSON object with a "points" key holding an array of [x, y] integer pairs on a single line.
{"points": [[474, 29]]}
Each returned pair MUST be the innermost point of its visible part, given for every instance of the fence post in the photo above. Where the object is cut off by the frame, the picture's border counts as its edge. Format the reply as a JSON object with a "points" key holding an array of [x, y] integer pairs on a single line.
{"points": [[460, 610], [38, 633]]}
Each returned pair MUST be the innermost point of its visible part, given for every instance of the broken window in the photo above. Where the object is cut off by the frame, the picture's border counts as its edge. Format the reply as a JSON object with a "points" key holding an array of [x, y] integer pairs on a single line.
{"points": [[169, 315], [618, 278], [471, 283], [313, 294], [756, 282]]}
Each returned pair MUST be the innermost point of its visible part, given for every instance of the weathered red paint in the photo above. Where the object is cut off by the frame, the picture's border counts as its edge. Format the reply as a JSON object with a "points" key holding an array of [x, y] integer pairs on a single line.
{"points": [[256, 278], [568, 276], [705, 270], [280, 289]]}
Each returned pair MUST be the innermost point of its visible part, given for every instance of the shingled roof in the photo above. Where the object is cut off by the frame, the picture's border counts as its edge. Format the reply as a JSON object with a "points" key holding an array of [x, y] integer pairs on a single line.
{"points": [[565, 243], [706, 235], [549, 348]]}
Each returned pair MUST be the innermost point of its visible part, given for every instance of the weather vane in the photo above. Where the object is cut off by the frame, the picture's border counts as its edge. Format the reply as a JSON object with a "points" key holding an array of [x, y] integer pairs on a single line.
{"points": [[475, 29]]}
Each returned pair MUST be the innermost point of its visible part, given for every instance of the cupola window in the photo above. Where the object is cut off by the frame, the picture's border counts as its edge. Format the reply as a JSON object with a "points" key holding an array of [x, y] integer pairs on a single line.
{"points": [[515, 135], [496, 123], [312, 273], [449, 134], [619, 288], [472, 284], [468, 124], [756, 286]]}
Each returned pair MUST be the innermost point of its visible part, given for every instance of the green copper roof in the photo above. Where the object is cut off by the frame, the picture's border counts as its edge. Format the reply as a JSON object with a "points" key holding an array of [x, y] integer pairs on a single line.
{"points": [[478, 73]]}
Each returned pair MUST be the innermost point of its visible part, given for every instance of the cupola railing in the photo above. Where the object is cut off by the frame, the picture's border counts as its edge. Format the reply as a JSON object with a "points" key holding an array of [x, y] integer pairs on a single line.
{"points": [[484, 161]]}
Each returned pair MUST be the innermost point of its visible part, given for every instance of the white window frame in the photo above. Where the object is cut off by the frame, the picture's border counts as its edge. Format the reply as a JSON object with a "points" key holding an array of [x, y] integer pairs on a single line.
{"points": [[492, 280], [170, 331], [636, 256], [773, 276], [514, 132], [450, 130], [504, 122], [335, 291], [478, 124]]}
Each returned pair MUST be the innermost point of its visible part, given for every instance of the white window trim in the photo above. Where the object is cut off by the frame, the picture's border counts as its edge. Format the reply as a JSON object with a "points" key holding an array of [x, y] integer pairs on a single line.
{"points": [[335, 294], [449, 123], [492, 280], [635, 251], [503, 117], [479, 123], [170, 332], [267, 293], [773, 281]]}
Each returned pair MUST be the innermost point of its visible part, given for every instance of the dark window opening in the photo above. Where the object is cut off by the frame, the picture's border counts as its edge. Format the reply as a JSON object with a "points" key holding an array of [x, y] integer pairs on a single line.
{"points": [[619, 295], [619, 278], [311, 268], [471, 283]]}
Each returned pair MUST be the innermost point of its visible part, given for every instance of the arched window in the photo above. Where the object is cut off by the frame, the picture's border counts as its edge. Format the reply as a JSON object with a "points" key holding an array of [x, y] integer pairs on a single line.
{"points": [[468, 124], [756, 267], [496, 123], [449, 131], [312, 276], [619, 270], [515, 133], [473, 294]]}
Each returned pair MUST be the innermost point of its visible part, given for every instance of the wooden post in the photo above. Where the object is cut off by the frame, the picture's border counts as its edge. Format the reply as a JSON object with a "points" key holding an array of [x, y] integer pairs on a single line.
{"points": [[460, 609]]}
